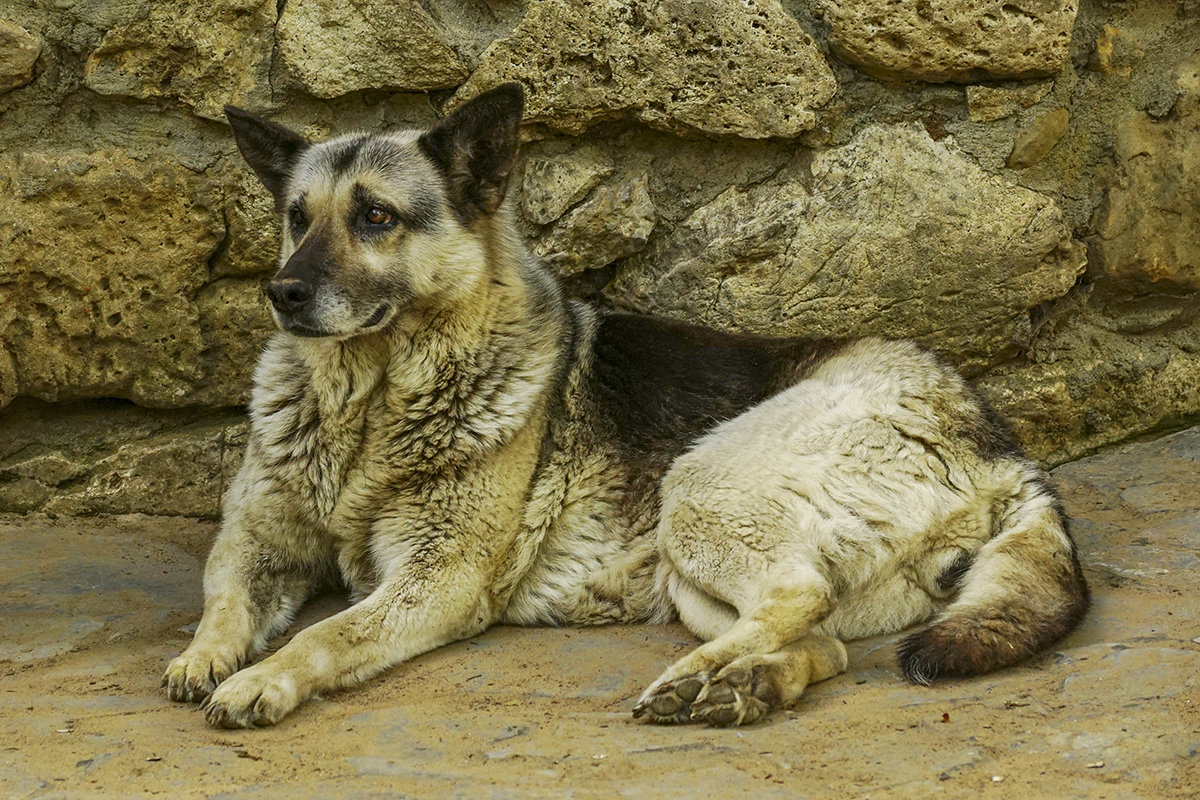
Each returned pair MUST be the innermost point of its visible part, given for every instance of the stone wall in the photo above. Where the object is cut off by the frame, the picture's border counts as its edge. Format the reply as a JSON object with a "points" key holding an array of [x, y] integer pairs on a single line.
{"points": [[1015, 183]]}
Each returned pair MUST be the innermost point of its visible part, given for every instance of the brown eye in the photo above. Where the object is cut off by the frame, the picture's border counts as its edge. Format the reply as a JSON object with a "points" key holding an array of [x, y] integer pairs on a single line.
{"points": [[377, 216]]}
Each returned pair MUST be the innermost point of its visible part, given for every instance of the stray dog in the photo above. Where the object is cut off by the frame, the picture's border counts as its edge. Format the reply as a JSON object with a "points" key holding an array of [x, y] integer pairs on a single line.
{"points": [[441, 431]]}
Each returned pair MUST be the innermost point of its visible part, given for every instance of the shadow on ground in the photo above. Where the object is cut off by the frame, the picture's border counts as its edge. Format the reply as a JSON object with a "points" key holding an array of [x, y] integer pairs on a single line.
{"points": [[94, 609]]}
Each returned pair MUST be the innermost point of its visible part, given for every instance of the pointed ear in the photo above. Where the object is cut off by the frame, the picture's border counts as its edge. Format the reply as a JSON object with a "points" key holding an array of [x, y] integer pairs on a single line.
{"points": [[475, 147], [270, 149]]}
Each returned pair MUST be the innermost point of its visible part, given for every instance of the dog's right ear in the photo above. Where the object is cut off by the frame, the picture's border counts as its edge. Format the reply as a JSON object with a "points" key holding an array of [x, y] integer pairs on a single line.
{"points": [[270, 149]]}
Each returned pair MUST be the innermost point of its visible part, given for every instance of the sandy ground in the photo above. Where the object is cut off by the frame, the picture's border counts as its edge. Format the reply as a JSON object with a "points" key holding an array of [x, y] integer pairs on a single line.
{"points": [[95, 608]]}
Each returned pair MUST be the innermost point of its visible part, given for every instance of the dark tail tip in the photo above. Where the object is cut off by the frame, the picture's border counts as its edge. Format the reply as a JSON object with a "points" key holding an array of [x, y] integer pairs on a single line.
{"points": [[939, 651]]}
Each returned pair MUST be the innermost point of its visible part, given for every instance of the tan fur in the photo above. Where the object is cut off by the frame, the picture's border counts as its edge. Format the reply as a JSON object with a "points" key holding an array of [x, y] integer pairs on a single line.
{"points": [[449, 468]]}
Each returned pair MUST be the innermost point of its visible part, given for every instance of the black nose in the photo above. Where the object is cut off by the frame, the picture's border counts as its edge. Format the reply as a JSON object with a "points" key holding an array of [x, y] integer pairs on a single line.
{"points": [[289, 295]]}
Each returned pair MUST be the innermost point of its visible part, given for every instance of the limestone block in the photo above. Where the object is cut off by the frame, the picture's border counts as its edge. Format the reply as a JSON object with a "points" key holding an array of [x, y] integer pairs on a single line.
{"points": [[952, 40], [1149, 228], [104, 257], [896, 235], [252, 246], [1090, 386], [1033, 142], [18, 53], [105, 458], [614, 223], [334, 47], [202, 54], [719, 67], [989, 103], [182, 474], [553, 184]]}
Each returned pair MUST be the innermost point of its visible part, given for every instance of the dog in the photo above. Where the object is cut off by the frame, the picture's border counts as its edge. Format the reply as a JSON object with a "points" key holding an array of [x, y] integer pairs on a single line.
{"points": [[438, 429]]}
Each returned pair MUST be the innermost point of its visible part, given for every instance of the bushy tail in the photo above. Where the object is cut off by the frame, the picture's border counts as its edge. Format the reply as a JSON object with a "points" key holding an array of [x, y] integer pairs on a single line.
{"points": [[1024, 591]]}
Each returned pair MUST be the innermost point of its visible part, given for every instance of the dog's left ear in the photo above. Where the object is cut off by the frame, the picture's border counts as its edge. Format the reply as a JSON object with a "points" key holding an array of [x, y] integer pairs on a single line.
{"points": [[475, 147], [269, 148]]}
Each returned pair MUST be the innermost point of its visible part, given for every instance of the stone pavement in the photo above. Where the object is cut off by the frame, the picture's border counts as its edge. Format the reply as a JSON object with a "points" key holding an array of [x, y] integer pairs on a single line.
{"points": [[94, 609]]}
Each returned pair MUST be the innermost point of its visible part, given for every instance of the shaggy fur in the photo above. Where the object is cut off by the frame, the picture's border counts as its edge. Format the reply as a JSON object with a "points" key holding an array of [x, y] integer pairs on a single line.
{"points": [[440, 431]]}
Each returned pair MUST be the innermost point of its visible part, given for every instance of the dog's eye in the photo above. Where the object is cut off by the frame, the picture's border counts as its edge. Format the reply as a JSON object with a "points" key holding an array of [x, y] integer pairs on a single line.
{"points": [[377, 216], [297, 219]]}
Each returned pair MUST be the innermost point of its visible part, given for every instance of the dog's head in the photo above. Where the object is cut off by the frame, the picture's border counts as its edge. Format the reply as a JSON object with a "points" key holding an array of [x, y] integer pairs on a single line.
{"points": [[379, 225]]}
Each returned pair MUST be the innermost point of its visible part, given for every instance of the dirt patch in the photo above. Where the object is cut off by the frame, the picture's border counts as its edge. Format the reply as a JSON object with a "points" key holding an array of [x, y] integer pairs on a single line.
{"points": [[95, 608]]}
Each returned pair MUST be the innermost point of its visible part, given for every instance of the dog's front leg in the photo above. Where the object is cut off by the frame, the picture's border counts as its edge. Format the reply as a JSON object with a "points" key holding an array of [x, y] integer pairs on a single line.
{"points": [[253, 584], [417, 608]]}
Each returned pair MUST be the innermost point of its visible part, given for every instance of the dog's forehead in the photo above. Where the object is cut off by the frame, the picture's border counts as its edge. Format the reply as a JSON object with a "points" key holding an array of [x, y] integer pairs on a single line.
{"points": [[388, 160]]}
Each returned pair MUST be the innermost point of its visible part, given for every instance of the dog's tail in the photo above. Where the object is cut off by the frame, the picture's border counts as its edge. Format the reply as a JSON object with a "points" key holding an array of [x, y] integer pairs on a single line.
{"points": [[1023, 592]]}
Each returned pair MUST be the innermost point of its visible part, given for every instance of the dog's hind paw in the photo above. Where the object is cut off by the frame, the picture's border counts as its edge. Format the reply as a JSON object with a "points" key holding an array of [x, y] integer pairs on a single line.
{"points": [[670, 703], [735, 697]]}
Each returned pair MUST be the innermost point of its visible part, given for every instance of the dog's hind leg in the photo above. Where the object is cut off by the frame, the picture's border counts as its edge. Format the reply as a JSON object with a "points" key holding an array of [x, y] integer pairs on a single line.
{"points": [[731, 679]]}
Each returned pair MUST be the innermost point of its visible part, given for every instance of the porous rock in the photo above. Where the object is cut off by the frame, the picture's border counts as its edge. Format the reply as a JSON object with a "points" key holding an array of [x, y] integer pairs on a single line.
{"points": [[1116, 52], [106, 458], [615, 222], [952, 40], [106, 257], [1149, 228], [1090, 384], [18, 53], [202, 54], [717, 67], [334, 47], [895, 235]]}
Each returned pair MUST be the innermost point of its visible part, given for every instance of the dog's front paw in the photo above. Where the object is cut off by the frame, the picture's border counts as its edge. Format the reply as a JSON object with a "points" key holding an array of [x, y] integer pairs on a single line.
{"points": [[194, 675], [260, 695]]}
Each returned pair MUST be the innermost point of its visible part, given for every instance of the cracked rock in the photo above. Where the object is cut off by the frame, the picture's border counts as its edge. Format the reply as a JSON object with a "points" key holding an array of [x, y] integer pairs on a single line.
{"points": [[553, 184], [990, 103], [952, 40], [895, 234], [1149, 228], [106, 459], [718, 67], [614, 223]]}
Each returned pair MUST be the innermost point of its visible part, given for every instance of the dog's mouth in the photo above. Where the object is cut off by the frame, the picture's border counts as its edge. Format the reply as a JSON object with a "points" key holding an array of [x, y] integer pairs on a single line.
{"points": [[304, 331]]}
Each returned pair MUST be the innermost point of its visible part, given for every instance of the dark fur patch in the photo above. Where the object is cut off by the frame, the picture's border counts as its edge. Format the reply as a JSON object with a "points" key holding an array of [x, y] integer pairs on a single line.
{"points": [[420, 217], [312, 260], [663, 383], [342, 156], [954, 573], [989, 432]]}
